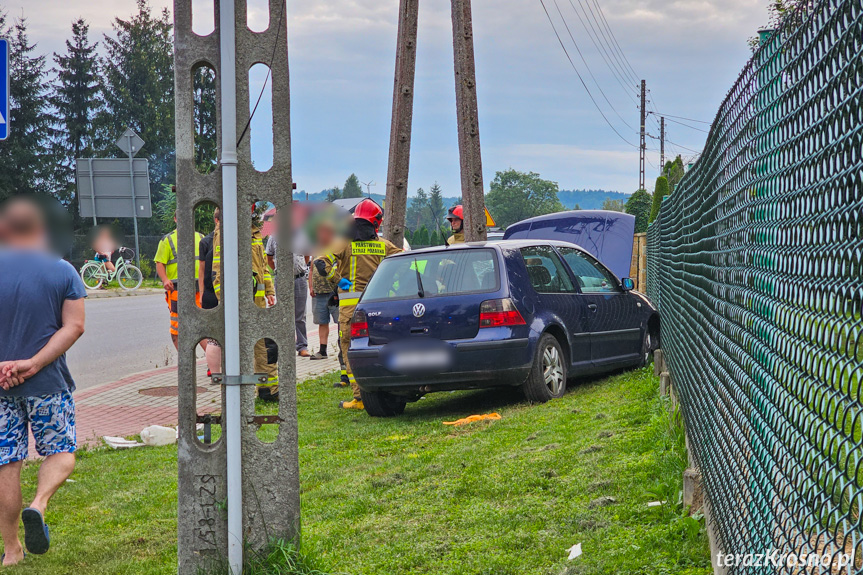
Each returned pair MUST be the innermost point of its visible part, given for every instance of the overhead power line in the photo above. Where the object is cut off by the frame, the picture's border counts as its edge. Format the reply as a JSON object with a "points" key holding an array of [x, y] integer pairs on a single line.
{"points": [[606, 52], [682, 118], [683, 147], [589, 71], [580, 78], [687, 125]]}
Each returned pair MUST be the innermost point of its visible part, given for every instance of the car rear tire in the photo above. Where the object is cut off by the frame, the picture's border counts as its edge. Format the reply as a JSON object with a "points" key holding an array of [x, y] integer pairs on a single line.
{"points": [[547, 379], [383, 404]]}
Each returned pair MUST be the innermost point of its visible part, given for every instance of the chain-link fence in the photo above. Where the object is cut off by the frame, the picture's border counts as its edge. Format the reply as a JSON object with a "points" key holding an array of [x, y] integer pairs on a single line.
{"points": [[756, 263]]}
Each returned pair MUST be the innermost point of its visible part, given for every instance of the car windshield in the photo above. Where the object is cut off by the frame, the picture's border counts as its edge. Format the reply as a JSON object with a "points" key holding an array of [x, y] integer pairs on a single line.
{"points": [[443, 273]]}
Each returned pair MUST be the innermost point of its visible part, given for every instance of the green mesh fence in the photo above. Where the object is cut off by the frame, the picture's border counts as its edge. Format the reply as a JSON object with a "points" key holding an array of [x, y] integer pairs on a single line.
{"points": [[755, 263]]}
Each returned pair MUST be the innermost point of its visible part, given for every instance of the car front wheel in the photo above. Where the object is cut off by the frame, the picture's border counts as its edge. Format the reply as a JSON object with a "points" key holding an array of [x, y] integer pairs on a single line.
{"points": [[547, 379], [383, 404]]}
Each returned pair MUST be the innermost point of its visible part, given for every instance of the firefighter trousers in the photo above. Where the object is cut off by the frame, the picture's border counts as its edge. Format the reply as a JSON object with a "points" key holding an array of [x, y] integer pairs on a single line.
{"points": [[346, 312], [266, 357]]}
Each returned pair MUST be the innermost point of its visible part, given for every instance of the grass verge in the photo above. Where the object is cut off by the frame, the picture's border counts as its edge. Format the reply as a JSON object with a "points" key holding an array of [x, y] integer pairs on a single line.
{"points": [[410, 495]]}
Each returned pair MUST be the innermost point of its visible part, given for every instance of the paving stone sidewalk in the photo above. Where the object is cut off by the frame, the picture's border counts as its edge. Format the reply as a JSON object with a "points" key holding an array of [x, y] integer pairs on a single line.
{"points": [[125, 407]]}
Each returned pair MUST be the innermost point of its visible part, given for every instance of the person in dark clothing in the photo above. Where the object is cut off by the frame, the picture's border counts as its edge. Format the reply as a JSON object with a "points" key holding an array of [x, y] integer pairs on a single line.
{"points": [[209, 299]]}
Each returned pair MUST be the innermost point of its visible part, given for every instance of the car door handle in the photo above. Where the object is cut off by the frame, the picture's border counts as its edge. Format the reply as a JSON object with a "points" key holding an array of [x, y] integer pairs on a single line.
{"points": [[591, 306]]}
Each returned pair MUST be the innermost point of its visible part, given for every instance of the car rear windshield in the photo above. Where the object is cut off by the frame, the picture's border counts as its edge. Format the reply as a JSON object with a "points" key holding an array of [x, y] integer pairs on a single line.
{"points": [[443, 273]]}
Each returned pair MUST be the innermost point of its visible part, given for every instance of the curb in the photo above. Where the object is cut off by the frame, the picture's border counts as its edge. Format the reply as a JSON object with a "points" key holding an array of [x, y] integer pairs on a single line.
{"points": [[111, 293]]}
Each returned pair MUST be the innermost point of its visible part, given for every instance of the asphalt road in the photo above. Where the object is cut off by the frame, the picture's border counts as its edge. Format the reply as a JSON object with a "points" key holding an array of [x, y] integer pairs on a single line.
{"points": [[123, 335]]}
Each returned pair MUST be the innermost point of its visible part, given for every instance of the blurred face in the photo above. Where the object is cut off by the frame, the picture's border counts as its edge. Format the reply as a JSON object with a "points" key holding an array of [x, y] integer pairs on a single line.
{"points": [[325, 235], [456, 224], [22, 225]]}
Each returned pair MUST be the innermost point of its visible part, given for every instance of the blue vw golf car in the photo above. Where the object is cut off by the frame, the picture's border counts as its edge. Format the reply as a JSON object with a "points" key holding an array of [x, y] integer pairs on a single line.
{"points": [[528, 313]]}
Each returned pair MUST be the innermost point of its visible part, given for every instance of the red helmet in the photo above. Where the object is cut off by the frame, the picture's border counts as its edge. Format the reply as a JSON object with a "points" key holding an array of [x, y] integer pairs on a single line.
{"points": [[371, 212], [456, 213]]}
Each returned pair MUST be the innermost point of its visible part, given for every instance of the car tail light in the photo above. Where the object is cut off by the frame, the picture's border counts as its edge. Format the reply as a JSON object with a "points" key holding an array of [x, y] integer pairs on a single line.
{"points": [[499, 313], [359, 325]]}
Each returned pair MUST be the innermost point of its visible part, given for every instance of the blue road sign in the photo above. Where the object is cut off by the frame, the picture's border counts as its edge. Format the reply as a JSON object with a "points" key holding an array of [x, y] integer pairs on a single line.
{"points": [[4, 89]]}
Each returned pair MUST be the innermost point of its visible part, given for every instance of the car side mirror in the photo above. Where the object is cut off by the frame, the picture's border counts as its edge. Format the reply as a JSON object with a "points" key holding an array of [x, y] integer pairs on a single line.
{"points": [[627, 284]]}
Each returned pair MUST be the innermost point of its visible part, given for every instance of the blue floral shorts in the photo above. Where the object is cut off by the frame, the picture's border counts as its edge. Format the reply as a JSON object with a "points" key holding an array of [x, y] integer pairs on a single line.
{"points": [[50, 417]]}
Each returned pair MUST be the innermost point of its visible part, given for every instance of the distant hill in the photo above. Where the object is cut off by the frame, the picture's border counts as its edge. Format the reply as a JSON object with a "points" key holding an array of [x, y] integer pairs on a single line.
{"points": [[585, 199], [588, 199]]}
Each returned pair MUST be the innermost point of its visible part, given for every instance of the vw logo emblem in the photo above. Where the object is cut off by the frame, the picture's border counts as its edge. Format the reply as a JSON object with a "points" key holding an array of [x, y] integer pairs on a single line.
{"points": [[419, 310]]}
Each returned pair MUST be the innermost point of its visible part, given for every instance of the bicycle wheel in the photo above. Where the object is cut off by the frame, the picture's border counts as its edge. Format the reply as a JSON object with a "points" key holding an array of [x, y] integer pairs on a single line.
{"points": [[130, 278], [91, 275]]}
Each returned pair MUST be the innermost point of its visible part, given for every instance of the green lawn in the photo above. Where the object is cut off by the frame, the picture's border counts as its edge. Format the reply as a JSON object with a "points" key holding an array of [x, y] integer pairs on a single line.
{"points": [[410, 495]]}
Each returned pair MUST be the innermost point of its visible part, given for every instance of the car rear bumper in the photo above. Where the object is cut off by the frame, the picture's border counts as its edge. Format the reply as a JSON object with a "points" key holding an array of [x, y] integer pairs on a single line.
{"points": [[476, 364]]}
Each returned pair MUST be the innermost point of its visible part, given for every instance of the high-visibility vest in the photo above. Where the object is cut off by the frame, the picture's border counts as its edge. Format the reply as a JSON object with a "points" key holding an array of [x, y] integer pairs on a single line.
{"points": [[166, 254]]}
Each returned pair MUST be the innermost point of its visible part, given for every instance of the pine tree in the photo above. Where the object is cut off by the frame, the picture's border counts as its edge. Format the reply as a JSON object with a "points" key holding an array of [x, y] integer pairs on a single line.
{"points": [[659, 192], [25, 158], [417, 212], [436, 207], [77, 99], [352, 188], [139, 90]]}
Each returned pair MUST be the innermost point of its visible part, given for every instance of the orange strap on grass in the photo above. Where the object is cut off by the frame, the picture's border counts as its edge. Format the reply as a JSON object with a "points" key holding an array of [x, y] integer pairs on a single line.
{"points": [[472, 418]]}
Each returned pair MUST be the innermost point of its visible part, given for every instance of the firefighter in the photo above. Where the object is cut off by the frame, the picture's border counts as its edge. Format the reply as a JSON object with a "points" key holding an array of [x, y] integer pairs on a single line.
{"points": [[455, 216], [351, 266], [266, 353]]}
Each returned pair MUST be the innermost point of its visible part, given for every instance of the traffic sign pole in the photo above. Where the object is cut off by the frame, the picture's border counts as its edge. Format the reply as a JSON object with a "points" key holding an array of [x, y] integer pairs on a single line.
{"points": [[134, 201], [4, 89]]}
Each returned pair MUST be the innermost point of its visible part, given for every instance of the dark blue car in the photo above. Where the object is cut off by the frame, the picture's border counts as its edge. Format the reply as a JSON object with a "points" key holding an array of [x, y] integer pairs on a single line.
{"points": [[528, 313]]}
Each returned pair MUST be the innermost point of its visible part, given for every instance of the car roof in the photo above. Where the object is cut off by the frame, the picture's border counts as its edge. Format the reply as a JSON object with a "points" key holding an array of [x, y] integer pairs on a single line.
{"points": [[497, 244]]}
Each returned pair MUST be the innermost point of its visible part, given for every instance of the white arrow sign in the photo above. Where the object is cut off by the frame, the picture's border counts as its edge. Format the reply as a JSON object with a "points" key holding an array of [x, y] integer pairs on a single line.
{"points": [[2, 119]]}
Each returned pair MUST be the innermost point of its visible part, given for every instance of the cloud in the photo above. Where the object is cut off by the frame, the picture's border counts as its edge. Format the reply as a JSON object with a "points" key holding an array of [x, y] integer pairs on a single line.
{"points": [[534, 112]]}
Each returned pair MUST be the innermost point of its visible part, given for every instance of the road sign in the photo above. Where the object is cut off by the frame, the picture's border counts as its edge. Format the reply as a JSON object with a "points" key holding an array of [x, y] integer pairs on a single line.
{"points": [[130, 142], [113, 198], [489, 221], [4, 89]]}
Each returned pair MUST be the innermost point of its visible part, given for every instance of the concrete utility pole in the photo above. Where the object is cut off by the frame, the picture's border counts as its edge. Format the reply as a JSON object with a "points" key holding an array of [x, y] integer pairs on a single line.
{"points": [[642, 148], [402, 122], [256, 483], [661, 145], [470, 155]]}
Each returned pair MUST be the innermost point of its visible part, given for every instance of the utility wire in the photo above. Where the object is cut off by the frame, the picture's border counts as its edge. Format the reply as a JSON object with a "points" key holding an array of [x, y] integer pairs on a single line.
{"points": [[683, 147], [601, 91], [682, 118], [577, 73], [614, 39], [269, 72], [604, 35], [687, 125], [603, 51]]}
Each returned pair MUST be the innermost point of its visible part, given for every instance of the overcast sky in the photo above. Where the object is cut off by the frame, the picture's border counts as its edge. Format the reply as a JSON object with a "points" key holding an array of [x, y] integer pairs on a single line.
{"points": [[534, 113]]}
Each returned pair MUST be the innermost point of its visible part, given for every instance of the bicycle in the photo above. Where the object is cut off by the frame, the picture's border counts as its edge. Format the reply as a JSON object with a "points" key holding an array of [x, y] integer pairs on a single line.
{"points": [[94, 273]]}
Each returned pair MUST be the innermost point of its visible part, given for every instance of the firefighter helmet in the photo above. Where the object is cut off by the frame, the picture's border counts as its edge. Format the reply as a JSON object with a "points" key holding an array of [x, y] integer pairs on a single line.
{"points": [[370, 211], [455, 213]]}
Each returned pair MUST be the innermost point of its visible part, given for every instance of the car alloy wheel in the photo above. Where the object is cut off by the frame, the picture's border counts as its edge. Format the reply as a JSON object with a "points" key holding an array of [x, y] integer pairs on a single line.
{"points": [[552, 370]]}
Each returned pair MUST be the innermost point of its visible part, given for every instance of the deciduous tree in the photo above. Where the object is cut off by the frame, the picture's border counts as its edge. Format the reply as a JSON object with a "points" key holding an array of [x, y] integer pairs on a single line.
{"points": [[639, 205], [515, 196]]}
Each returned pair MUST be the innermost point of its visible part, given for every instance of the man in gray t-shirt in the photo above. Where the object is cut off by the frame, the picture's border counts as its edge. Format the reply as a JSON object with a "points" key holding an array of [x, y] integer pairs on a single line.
{"points": [[301, 293], [41, 317]]}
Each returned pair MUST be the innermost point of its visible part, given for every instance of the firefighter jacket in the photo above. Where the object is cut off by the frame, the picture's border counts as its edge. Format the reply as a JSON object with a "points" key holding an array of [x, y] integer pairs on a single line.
{"points": [[357, 260], [262, 281]]}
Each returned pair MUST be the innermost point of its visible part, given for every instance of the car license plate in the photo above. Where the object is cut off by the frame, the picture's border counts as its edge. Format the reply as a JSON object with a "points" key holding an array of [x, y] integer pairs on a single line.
{"points": [[419, 360]]}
